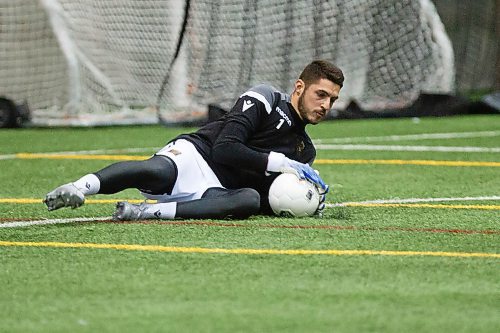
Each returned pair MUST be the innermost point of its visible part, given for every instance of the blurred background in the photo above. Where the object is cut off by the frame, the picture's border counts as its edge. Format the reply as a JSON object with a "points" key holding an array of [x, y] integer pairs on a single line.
{"points": [[474, 30], [93, 63]]}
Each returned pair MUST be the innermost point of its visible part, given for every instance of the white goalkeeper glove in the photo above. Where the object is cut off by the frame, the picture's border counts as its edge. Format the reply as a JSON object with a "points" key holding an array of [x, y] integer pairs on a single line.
{"points": [[278, 162]]}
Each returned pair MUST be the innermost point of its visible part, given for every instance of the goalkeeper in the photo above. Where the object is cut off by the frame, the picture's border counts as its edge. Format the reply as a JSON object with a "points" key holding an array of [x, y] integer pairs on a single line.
{"points": [[225, 169]]}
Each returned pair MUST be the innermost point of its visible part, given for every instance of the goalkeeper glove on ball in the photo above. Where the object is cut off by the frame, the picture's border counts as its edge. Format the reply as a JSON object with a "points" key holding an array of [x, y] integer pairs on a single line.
{"points": [[278, 162]]}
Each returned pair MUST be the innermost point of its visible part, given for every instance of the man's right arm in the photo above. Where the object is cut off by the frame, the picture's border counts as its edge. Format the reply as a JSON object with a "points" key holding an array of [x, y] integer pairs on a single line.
{"points": [[230, 147]]}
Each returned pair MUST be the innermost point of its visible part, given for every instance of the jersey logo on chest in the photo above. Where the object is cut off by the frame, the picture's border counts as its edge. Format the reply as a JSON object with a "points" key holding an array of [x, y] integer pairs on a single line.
{"points": [[284, 117]]}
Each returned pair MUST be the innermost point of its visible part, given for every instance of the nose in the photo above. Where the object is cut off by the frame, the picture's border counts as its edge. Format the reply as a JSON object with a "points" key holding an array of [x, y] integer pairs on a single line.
{"points": [[325, 104]]}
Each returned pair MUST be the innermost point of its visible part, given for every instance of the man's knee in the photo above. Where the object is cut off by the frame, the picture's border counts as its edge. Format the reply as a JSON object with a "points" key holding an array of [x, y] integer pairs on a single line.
{"points": [[246, 201], [160, 173], [160, 167]]}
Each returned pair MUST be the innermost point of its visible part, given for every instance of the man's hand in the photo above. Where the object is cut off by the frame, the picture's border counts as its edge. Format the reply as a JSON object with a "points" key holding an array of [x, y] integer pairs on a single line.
{"points": [[304, 171], [318, 182], [278, 162]]}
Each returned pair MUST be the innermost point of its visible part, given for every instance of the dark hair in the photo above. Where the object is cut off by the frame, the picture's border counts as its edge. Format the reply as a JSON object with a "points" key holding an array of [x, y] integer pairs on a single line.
{"points": [[322, 69]]}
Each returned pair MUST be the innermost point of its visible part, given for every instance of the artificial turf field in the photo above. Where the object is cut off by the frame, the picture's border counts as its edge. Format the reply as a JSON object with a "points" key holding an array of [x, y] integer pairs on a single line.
{"points": [[409, 242]]}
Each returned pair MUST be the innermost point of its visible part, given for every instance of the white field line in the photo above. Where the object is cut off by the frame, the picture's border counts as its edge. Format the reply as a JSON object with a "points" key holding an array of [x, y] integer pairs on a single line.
{"points": [[322, 144], [410, 137], [416, 200], [445, 149], [20, 224], [7, 157], [346, 147]]}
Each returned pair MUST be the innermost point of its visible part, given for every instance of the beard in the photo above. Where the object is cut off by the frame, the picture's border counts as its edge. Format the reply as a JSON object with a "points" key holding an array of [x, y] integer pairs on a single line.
{"points": [[308, 115], [302, 109]]}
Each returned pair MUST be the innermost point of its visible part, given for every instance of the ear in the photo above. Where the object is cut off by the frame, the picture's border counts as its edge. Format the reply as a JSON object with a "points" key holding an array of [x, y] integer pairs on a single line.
{"points": [[299, 87]]}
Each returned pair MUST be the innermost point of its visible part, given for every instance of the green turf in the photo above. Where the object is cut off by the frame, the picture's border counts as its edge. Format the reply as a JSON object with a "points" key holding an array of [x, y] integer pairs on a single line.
{"points": [[48, 289]]}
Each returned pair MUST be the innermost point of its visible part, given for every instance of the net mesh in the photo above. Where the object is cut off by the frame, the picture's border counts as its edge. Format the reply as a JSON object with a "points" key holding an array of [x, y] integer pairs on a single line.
{"points": [[92, 62], [32, 68]]}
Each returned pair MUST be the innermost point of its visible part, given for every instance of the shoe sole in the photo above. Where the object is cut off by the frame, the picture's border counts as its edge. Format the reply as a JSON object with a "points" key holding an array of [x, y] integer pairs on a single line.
{"points": [[63, 199]]}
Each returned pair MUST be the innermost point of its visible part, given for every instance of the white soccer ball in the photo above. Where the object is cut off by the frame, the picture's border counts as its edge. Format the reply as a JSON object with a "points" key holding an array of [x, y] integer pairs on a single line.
{"points": [[291, 196]]}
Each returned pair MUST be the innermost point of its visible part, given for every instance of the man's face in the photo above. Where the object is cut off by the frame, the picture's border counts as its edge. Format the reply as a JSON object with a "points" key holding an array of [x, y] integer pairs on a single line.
{"points": [[316, 99]]}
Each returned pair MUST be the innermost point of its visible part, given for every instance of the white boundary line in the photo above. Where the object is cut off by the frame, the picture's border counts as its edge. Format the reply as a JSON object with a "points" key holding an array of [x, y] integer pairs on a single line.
{"points": [[417, 200], [20, 224], [7, 157], [319, 146], [330, 144], [410, 137]]}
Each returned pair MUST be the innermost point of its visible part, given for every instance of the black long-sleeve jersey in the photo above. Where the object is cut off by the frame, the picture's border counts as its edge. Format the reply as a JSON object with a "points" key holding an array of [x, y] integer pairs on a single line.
{"points": [[237, 145]]}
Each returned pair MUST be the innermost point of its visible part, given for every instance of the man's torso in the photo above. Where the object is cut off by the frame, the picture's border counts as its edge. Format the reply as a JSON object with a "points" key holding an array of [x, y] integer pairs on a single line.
{"points": [[266, 122]]}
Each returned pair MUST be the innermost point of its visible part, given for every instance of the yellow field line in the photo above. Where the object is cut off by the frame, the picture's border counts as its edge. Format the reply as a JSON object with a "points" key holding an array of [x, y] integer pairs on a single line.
{"points": [[80, 157], [318, 161], [410, 162], [177, 249], [347, 204]]}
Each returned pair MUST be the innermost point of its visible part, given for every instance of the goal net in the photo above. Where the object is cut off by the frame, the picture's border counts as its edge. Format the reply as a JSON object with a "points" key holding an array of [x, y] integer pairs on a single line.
{"points": [[92, 62]]}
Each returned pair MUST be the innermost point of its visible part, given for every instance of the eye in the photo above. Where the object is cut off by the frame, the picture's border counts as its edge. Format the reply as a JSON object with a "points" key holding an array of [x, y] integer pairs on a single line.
{"points": [[321, 94], [332, 100]]}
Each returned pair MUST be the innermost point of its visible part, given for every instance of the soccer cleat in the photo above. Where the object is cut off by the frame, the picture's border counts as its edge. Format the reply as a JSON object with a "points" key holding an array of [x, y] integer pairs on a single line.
{"points": [[126, 211], [64, 196]]}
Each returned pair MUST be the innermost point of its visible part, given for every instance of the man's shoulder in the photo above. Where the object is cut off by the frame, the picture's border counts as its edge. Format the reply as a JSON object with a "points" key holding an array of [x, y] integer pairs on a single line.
{"points": [[266, 94], [264, 89]]}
